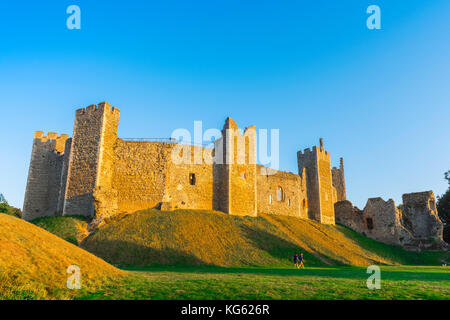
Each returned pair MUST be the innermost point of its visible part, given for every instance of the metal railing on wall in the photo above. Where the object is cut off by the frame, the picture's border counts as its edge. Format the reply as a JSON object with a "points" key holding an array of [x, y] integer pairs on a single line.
{"points": [[170, 140], [151, 139]]}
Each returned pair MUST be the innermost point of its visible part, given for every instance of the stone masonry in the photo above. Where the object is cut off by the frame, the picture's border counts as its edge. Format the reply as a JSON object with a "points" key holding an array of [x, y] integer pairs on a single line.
{"points": [[96, 174], [415, 226]]}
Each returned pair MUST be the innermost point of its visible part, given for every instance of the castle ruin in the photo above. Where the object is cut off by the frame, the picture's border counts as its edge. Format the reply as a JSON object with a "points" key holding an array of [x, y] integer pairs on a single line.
{"points": [[415, 225], [99, 175], [96, 174]]}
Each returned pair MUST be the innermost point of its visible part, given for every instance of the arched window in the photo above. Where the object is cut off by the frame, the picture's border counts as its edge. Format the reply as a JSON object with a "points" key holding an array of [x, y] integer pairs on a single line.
{"points": [[369, 223], [279, 194], [270, 198]]}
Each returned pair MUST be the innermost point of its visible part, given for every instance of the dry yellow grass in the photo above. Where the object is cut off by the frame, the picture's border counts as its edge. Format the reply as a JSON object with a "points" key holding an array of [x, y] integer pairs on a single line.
{"points": [[192, 237], [327, 241], [33, 263]]}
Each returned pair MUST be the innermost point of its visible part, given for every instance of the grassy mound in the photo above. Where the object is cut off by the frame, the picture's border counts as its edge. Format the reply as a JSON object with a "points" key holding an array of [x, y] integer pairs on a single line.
{"points": [[195, 238], [72, 229], [33, 263]]}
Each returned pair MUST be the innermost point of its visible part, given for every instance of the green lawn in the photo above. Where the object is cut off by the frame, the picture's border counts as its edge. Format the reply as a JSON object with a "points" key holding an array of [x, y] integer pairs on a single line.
{"points": [[397, 282]]}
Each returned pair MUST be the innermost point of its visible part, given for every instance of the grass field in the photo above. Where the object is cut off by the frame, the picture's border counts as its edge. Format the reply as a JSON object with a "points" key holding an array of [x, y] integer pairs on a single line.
{"points": [[397, 282], [208, 255]]}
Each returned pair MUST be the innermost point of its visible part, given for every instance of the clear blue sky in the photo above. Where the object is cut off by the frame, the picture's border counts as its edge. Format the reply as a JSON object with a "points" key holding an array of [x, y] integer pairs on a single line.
{"points": [[379, 98]]}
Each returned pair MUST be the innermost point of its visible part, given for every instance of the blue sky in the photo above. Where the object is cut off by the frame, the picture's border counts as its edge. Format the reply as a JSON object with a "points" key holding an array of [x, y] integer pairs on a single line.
{"points": [[379, 98]]}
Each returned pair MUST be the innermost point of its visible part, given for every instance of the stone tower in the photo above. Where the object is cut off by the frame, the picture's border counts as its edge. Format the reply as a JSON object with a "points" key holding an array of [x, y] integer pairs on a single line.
{"points": [[90, 166], [339, 181], [320, 191], [234, 171], [44, 176]]}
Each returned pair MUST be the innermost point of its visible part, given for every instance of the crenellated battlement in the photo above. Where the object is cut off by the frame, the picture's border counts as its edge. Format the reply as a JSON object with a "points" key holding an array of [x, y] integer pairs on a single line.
{"points": [[102, 106], [57, 143], [309, 152], [50, 136]]}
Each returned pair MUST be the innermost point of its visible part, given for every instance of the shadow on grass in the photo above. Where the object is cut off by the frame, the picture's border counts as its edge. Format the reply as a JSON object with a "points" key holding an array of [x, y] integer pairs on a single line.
{"points": [[274, 250], [278, 247], [124, 253]]}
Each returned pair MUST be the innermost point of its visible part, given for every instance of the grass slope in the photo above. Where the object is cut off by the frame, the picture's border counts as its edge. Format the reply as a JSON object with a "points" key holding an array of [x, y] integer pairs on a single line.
{"points": [[196, 238], [72, 229], [33, 263]]}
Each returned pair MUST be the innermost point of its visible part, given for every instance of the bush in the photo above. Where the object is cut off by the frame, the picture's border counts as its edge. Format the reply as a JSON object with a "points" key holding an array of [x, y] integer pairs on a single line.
{"points": [[7, 209]]}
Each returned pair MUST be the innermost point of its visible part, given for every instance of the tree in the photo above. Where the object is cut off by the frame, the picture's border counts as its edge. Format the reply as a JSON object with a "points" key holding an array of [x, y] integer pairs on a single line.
{"points": [[443, 207], [7, 209]]}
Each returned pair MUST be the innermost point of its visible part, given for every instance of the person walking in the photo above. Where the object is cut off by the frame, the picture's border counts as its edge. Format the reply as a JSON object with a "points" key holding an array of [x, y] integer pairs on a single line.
{"points": [[300, 261], [296, 260]]}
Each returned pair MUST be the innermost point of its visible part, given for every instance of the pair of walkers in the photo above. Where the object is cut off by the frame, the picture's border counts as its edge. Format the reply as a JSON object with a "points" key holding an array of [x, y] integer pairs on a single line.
{"points": [[298, 261]]}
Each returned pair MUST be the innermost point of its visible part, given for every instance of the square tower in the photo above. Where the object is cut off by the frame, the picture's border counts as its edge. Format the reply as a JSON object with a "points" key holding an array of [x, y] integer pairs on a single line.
{"points": [[91, 158], [319, 183], [234, 170]]}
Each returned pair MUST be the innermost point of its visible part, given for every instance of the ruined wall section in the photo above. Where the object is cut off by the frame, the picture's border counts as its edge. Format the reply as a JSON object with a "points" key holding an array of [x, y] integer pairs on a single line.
{"points": [[382, 222], [44, 176], [420, 215], [88, 165], [416, 227], [349, 215], [293, 198], [339, 181]]}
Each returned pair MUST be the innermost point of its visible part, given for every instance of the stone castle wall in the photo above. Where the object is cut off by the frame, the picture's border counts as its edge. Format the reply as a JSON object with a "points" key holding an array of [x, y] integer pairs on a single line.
{"points": [[101, 175], [190, 185], [140, 174], [281, 192]]}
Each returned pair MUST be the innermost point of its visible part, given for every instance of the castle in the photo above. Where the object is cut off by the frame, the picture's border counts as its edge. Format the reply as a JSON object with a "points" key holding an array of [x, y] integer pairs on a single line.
{"points": [[98, 175]]}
